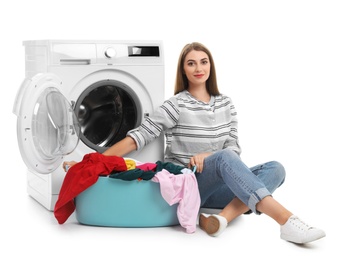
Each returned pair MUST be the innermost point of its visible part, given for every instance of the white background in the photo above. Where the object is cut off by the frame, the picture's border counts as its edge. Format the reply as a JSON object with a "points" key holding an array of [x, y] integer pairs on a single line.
{"points": [[277, 60]]}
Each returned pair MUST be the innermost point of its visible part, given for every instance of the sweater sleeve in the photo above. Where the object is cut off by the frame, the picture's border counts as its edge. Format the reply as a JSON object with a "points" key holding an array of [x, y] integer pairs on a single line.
{"points": [[233, 140], [166, 116]]}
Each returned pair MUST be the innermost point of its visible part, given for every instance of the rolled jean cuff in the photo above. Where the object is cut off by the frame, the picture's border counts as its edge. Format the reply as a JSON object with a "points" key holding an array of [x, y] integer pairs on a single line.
{"points": [[256, 197]]}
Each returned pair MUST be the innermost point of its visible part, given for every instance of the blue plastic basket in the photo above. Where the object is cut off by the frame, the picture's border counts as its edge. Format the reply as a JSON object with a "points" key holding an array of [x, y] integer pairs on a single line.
{"points": [[119, 203]]}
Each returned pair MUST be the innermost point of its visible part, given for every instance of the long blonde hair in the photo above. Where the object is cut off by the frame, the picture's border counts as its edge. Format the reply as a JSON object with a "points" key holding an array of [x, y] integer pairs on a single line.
{"points": [[181, 79]]}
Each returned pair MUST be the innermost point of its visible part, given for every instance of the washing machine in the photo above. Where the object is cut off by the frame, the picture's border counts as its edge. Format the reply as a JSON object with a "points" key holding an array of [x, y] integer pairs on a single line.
{"points": [[80, 97]]}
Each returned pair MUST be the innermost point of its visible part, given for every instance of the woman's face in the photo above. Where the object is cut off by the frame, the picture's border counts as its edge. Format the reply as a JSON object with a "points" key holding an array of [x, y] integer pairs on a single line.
{"points": [[197, 68]]}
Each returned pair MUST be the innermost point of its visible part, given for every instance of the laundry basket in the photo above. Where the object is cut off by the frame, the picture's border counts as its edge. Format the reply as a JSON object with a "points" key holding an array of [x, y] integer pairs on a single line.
{"points": [[119, 203]]}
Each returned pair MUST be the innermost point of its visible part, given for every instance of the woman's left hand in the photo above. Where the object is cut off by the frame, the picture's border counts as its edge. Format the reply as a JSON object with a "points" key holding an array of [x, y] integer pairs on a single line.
{"points": [[67, 165], [198, 161]]}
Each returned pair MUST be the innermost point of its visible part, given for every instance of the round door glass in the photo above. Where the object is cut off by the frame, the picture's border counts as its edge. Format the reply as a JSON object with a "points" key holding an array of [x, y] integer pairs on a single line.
{"points": [[106, 111], [55, 127]]}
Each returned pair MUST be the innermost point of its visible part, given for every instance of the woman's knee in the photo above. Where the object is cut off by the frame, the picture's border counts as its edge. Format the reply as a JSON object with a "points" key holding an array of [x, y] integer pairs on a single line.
{"points": [[278, 171], [219, 158], [227, 154]]}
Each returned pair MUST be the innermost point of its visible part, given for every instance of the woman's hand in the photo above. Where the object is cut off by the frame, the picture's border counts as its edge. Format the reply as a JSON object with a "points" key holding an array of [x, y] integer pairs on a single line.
{"points": [[67, 165], [198, 161]]}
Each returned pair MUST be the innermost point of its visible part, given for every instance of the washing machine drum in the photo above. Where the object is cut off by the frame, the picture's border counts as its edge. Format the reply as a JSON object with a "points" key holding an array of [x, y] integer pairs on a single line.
{"points": [[106, 111]]}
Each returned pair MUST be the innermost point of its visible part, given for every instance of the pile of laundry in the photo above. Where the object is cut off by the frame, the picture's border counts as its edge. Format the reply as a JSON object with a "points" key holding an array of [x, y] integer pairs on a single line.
{"points": [[177, 184]]}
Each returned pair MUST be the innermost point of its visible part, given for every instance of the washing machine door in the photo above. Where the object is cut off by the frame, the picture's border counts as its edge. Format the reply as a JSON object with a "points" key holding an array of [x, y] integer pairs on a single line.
{"points": [[47, 127]]}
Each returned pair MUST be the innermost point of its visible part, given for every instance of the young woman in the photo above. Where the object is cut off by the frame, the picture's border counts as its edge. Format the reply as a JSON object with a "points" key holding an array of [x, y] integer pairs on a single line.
{"points": [[200, 125]]}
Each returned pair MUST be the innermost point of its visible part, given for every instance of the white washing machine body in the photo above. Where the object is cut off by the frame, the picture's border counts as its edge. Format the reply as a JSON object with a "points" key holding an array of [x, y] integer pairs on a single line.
{"points": [[80, 97]]}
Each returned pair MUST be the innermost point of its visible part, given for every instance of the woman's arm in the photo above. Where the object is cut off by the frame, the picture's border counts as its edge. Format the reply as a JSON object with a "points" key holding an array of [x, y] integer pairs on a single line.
{"points": [[121, 148], [166, 116]]}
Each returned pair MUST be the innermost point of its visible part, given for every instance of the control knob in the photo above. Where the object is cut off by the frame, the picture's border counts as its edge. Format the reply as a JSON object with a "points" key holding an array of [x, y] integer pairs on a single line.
{"points": [[110, 52]]}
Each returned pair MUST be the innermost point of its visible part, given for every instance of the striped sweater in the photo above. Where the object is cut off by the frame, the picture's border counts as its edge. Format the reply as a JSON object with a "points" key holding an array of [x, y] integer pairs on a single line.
{"points": [[191, 127]]}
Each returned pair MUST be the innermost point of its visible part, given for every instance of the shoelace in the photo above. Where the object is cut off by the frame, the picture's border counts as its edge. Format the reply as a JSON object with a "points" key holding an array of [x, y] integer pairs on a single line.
{"points": [[300, 224]]}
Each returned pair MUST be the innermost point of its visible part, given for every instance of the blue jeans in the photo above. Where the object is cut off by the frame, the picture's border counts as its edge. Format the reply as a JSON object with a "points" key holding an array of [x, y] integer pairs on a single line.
{"points": [[225, 176]]}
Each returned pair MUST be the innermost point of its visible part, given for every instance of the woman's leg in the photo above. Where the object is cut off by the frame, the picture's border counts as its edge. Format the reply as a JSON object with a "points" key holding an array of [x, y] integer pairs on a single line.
{"points": [[274, 209], [225, 173], [272, 174], [225, 176]]}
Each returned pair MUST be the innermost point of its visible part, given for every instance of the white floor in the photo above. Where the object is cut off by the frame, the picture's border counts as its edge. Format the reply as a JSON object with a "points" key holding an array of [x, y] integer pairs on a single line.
{"points": [[30, 229]]}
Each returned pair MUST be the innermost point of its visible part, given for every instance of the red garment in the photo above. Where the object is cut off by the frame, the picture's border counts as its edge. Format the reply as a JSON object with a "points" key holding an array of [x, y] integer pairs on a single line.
{"points": [[80, 177], [146, 166]]}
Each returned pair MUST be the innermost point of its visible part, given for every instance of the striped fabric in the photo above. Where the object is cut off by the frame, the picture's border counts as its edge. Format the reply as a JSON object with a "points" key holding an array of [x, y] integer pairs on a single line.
{"points": [[191, 127]]}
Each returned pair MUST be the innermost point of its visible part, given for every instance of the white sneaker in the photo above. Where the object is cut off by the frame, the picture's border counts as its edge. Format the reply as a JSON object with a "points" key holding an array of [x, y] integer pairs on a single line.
{"points": [[296, 231], [213, 224]]}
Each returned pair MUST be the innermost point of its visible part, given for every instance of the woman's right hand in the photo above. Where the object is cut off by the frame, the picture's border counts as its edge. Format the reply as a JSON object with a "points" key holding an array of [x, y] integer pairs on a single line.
{"points": [[198, 161], [67, 165]]}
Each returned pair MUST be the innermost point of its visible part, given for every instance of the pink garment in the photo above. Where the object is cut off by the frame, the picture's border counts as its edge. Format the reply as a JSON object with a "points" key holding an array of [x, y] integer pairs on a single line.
{"points": [[182, 189]]}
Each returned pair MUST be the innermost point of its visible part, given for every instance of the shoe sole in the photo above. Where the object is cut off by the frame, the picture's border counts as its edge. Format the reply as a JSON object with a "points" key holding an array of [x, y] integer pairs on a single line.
{"points": [[209, 224], [290, 238]]}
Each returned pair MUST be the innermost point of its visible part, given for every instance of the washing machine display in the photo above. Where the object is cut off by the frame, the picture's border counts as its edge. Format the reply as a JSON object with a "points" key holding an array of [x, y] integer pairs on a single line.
{"points": [[80, 97]]}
